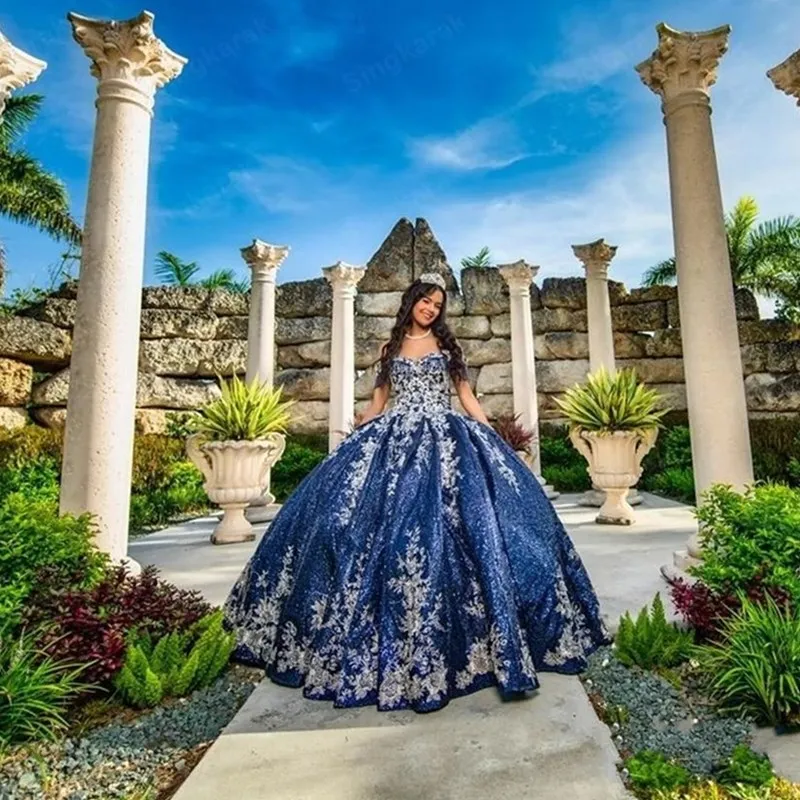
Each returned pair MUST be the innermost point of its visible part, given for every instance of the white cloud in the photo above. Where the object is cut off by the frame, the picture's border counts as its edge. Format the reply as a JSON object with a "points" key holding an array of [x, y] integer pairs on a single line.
{"points": [[489, 144], [622, 193]]}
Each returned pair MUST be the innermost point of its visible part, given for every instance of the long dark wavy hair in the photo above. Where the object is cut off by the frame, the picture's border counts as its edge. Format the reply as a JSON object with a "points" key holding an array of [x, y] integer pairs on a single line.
{"points": [[444, 336]]}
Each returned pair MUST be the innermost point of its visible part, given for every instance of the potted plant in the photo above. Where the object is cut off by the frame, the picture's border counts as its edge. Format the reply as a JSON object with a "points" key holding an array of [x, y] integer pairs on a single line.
{"points": [[515, 435], [614, 421], [238, 438]]}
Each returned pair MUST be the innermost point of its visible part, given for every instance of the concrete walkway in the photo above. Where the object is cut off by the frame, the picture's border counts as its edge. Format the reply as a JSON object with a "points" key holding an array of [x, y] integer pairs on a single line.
{"points": [[548, 746]]}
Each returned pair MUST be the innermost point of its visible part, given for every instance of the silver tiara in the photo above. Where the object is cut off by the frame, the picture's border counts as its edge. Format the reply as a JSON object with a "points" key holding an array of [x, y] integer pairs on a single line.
{"points": [[432, 277]]}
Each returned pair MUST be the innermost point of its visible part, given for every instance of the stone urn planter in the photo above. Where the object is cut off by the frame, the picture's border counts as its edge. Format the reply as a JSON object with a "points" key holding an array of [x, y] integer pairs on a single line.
{"points": [[615, 465], [236, 474]]}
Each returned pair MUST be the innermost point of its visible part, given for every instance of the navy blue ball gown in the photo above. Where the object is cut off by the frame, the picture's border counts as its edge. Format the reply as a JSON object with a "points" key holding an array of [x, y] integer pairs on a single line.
{"points": [[419, 561]]}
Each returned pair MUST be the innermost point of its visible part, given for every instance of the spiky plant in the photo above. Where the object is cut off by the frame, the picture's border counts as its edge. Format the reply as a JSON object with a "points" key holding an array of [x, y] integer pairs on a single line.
{"points": [[514, 434], [607, 402], [243, 412]]}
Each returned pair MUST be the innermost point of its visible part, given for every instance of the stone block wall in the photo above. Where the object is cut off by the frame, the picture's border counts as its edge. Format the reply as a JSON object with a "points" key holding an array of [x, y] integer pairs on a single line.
{"points": [[191, 335]]}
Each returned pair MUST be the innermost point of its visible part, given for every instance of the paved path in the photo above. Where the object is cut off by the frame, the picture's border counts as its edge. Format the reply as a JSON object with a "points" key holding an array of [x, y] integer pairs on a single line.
{"points": [[550, 746]]}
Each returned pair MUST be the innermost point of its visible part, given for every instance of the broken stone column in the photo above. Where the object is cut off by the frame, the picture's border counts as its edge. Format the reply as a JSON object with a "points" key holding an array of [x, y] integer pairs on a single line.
{"points": [[130, 64], [519, 277], [344, 279], [264, 261]]}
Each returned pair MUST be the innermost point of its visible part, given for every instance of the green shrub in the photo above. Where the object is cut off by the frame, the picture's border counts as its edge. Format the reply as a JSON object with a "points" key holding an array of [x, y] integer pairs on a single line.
{"points": [[176, 664], [38, 480], [676, 483], [755, 668], [33, 536], [775, 444], [745, 767], [296, 463], [35, 690], [567, 479], [750, 536], [652, 772], [651, 642]]}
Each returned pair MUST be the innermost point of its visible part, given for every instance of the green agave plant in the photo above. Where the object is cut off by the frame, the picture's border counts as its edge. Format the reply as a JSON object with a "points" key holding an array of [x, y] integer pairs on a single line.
{"points": [[244, 412], [612, 402]]}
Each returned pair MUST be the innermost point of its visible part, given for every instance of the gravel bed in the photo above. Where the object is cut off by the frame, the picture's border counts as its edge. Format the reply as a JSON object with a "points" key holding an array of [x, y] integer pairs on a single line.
{"points": [[661, 718], [117, 759]]}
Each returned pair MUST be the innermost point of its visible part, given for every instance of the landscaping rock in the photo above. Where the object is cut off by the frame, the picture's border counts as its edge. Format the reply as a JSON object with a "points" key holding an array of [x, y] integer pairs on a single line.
{"points": [[558, 376], [229, 304], [300, 331], [373, 327], [232, 328], [559, 319], [13, 418], [640, 317], [184, 298], [312, 298], [308, 384], [192, 357], [16, 382], [313, 354], [160, 323], [429, 255], [478, 352], [391, 268], [55, 310], [484, 290], [495, 379], [377, 304], [309, 416], [471, 327], [34, 342]]}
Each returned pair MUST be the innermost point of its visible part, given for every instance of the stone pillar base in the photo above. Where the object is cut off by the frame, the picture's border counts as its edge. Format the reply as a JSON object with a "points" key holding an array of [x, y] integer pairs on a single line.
{"points": [[594, 498], [134, 567], [262, 513], [676, 570]]}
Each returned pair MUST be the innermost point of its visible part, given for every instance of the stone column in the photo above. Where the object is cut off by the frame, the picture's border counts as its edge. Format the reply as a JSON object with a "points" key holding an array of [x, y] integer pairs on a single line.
{"points": [[681, 71], [786, 76], [264, 260], [519, 277], [17, 69], [595, 257], [130, 64], [344, 279]]}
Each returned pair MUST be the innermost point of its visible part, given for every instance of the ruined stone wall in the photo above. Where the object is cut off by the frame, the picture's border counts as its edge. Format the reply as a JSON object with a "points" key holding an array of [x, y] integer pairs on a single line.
{"points": [[188, 336]]}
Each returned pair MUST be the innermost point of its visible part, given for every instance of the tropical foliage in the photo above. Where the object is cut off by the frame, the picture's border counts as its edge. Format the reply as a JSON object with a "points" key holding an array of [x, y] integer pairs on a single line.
{"points": [[243, 412], [29, 194], [173, 271], [483, 258], [609, 402], [765, 257]]}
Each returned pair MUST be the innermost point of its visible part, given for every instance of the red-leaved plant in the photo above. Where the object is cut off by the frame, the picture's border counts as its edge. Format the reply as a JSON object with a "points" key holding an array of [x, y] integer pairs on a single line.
{"points": [[705, 609], [91, 626], [512, 432]]}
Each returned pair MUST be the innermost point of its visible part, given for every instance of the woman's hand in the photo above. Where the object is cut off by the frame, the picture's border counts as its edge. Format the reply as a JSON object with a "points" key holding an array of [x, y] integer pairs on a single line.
{"points": [[379, 399]]}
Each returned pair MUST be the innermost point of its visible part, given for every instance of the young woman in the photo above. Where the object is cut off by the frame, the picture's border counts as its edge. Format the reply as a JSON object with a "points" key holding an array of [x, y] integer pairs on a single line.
{"points": [[421, 559]]}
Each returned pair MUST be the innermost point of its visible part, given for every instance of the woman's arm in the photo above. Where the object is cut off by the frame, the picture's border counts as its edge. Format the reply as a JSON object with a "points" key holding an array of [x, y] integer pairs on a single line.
{"points": [[380, 397], [469, 402]]}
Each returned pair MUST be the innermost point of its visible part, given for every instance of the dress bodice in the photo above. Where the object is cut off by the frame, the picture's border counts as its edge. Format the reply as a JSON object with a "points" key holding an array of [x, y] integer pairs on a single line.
{"points": [[421, 385]]}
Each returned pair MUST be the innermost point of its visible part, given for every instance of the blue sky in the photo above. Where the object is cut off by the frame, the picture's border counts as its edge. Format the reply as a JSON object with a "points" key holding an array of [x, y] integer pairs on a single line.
{"points": [[317, 124]]}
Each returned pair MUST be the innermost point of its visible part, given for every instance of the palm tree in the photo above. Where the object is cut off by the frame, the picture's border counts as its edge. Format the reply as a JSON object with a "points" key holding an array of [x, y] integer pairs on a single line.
{"points": [[226, 279], [28, 193], [173, 271], [482, 259], [765, 257]]}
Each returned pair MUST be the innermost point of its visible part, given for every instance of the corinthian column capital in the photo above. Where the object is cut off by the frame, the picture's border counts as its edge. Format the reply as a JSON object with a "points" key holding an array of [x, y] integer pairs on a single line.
{"points": [[684, 61], [263, 258], [518, 275], [17, 69], [786, 76], [126, 55], [595, 257]]}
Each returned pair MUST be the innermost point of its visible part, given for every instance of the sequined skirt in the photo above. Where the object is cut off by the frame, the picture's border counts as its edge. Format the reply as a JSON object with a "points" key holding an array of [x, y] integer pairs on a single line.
{"points": [[418, 562]]}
